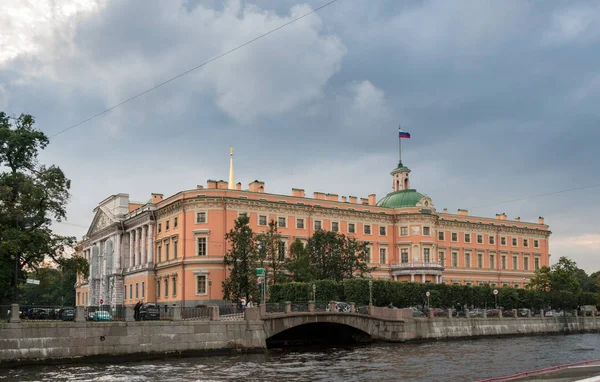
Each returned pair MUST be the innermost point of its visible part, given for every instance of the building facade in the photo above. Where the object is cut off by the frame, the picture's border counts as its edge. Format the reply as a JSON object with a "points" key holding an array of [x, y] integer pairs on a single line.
{"points": [[170, 250]]}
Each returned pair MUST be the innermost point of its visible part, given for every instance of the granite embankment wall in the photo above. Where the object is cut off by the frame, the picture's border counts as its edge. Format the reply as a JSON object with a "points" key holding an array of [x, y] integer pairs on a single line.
{"points": [[445, 328], [45, 340]]}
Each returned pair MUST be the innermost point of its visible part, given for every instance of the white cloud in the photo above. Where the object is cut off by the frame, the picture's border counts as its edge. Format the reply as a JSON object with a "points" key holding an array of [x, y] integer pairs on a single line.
{"points": [[367, 106], [583, 248], [574, 24]]}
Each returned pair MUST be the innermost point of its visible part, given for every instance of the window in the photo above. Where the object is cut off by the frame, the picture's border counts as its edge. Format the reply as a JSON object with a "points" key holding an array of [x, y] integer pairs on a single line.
{"points": [[536, 244], [503, 262], [351, 228], [492, 262], [454, 236], [201, 246], [454, 259], [300, 223], [368, 254], [174, 249], [157, 289], [403, 231], [335, 226], [467, 237], [426, 255], [262, 220], [159, 229], [166, 287], [143, 290], [281, 222], [467, 260], [382, 231], [317, 225], [526, 263], [479, 239], [514, 242], [525, 243], [174, 279], [382, 257], [426, 231], [404, 255], [492, 240], [281, 250], [441, 235], [137, 291], [131, 291], [536, 263], [159, 253], [174, 222], [167, 251], [502, 241], [167, 225], [515, 263], [200, 284], [480, 260], [201, 217], [442, 256], [367, 229], [416, 230]]}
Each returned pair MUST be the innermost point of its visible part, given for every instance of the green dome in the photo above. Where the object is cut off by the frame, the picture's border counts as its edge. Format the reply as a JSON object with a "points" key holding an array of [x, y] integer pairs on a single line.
{"points": [[399, 199]]}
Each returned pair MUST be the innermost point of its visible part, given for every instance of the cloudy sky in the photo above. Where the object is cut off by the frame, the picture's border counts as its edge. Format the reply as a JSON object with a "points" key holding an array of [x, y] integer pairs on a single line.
{"points": [[501, 99]]}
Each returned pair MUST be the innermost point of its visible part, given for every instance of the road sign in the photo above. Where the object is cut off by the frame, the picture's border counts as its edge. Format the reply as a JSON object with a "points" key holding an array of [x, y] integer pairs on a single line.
{"points": [[260, 271], [32, 281], [495, 291], [427, 294], [101, 301]]}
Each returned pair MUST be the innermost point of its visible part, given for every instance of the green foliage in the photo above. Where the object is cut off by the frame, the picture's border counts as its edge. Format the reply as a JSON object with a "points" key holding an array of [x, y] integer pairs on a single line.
{"points": [[298, 263], [560, 285], [268, 252], [31, 196], [55, 288], [241, 260]]}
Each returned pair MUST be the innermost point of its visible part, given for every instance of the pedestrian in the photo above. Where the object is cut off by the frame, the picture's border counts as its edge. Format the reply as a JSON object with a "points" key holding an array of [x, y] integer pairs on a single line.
{"points": [[243, 302], [136, 311]]}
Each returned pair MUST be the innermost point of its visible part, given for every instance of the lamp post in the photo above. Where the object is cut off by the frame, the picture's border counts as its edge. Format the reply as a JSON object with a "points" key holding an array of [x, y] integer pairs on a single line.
{"points": [[16, 291], [370, 292], [314, 292], [209, 289]]}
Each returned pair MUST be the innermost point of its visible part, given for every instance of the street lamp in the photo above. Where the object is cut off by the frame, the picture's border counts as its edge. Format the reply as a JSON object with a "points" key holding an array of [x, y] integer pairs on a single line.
{"points": [[209, 289], [16, 291], [314, 292], [370, 292]]}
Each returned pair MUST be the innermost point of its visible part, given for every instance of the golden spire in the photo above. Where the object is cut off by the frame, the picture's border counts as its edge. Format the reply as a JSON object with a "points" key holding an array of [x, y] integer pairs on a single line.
{"points": [[231, 184]]}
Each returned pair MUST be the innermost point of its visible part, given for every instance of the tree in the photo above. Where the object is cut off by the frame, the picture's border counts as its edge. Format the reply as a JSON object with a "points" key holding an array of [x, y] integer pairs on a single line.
{"points": [[298, 263], [559, 284], [31, 196], [269, 243], [56, 288], [241, 260]]}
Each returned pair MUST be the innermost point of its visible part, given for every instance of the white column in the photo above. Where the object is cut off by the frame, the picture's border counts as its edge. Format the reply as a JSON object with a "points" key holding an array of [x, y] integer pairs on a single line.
{"points": [[136, 247], [423, 278], [143, 243], [130, 249], [412, 277], [150, 243], [117, 254]]}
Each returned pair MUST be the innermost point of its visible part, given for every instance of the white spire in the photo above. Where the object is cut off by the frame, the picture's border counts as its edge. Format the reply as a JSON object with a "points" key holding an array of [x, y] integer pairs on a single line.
{"points": [[231, 184]]}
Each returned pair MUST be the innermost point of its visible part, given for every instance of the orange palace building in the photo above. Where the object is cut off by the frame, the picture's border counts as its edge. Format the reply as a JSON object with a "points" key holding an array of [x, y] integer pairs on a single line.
{"points": [[170, 250]]}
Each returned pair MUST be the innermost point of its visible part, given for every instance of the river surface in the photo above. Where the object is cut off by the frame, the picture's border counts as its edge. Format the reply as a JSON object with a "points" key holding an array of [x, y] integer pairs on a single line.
{"points": [[464, 360]]}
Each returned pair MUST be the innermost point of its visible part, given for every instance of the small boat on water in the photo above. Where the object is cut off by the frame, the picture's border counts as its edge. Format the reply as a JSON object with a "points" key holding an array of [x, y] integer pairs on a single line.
{"points": [[587, 371]]}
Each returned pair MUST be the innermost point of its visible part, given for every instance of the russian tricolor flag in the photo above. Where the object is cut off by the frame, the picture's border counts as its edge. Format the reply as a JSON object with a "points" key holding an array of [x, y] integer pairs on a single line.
{"points": [[403, 134]]}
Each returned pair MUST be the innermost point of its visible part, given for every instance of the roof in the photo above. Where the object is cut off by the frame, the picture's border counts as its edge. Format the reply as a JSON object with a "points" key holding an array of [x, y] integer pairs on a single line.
{"points": [[403, 198]]}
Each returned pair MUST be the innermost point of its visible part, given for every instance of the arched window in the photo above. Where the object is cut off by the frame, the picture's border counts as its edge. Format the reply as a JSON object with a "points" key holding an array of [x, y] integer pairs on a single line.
{"points": [[406, 183], [397, 185]]}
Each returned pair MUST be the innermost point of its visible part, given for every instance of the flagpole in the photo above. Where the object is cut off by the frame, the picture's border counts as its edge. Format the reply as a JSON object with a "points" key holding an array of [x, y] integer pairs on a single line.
{"points": [[399, 149]]}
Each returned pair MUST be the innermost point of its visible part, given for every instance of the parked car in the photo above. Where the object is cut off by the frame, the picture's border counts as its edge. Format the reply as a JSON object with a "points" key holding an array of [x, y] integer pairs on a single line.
{"points": [[550, 313], [149, 311], [66, 314], [416, 312], [523, 312], [102, 315]]}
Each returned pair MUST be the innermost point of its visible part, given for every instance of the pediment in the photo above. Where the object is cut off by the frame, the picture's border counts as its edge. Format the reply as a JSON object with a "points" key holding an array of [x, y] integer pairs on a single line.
{"points": [[425, 202], [102, 219]]}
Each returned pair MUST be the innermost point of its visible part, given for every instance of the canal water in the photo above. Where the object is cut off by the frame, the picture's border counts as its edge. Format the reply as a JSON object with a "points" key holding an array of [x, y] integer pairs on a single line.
{"points": [[464, 360]]}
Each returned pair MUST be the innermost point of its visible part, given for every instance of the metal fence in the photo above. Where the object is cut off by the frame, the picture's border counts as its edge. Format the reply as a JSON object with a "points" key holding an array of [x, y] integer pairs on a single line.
{"points": [[299, 307], [275, 307], [321, 307], [166, 313], [362, 309], [199, 313], [231, 312]]}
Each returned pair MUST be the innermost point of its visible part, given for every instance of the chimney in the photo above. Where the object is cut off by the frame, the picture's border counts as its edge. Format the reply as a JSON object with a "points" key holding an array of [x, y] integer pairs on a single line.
{"points": [[199, 187], [257, 186], [344, 199], [222, 185], [211, 184], [238, 186], [372, 199], [331, 197], [318, 195], [353, 199], [445, 210], [364, 201], [501, 216], [463, 212], [157, 198], [298, 192], [541, 220], [498, 216], [518, 219]]}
